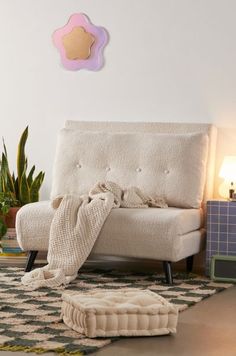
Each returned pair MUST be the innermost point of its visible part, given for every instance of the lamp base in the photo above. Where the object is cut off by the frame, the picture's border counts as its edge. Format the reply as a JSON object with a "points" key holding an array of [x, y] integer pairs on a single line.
{"points": [[224, 189]]}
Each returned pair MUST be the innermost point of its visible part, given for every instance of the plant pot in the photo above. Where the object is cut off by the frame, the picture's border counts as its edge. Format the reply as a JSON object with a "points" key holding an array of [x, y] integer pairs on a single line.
{"points": [[10, 218]]}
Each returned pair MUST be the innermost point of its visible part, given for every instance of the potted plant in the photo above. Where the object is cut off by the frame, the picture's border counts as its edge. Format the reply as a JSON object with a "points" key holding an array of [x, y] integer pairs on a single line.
{"points": [[8, 208], [17, 190]]}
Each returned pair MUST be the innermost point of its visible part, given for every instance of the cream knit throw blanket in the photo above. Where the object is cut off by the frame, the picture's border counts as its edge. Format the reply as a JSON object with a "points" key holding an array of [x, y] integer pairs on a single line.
{"points": [[76, 226]]}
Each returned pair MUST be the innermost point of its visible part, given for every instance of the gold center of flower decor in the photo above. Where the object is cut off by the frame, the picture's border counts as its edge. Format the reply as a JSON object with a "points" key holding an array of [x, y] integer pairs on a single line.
{"points": [[78, 44]]}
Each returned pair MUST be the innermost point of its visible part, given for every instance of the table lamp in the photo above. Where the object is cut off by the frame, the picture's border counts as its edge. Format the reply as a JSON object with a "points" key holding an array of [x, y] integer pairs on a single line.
{"points": [[228, 173]]}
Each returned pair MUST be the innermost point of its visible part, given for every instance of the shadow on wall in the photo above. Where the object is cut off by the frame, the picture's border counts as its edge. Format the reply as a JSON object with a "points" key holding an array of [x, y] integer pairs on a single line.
{"points": [[226, 146]]}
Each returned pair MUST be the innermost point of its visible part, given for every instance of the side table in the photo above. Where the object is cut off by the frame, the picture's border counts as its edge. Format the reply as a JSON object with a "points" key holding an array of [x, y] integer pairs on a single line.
{"points": [[221, 230]]}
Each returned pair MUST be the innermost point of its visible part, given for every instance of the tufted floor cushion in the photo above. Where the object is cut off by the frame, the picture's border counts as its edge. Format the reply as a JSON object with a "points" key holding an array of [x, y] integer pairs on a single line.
{"points": [[119, 313]]}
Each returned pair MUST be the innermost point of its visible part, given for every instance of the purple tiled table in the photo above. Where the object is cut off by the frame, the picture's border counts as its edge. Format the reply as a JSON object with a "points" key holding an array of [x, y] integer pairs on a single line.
{"points": [[221, 230]]}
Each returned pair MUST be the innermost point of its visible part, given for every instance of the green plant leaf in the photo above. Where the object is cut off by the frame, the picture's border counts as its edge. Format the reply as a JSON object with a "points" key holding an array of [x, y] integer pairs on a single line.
{"points": [[3, 228], [7, 200], [21, 159], [30, 176], [6, 175], [1, 183], [24, 190], [36, 185], [4, 147], [17, 189], [1, 178], [5, 209], [42, 178]]}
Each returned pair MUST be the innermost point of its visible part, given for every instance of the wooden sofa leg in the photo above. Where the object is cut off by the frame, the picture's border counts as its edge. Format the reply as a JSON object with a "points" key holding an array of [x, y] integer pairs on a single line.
{"points": [[168, 272], [30, 260], [189, 263]]}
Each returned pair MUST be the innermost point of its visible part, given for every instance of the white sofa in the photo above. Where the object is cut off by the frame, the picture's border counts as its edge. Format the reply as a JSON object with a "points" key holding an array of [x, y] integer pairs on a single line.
{"points": [[172, 160]]}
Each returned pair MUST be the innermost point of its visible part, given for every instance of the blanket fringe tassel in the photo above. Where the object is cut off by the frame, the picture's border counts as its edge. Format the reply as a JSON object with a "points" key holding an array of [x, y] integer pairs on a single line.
{"points": [[59, 351]]}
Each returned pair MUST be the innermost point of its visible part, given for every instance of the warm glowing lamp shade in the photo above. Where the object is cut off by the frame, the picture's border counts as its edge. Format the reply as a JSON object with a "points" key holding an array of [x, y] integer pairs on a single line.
{"points": [[228, 173]]}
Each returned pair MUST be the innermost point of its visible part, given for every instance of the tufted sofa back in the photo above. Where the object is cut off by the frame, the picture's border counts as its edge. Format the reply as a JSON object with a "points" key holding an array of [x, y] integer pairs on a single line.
{"points": [[175, 161]]}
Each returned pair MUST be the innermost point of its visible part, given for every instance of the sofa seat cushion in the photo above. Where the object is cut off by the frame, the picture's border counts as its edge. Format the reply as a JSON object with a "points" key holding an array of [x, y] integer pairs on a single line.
{"points": [[149, 233], [107, 313], [172, 166]]}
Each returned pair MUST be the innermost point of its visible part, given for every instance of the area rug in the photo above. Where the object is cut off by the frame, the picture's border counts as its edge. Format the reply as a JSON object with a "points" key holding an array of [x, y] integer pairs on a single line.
{"points": [[30, 320]]}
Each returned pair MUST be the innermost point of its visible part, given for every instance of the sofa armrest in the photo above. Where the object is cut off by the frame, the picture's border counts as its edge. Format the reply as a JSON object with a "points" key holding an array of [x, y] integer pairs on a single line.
{"points": [[33, 223]]}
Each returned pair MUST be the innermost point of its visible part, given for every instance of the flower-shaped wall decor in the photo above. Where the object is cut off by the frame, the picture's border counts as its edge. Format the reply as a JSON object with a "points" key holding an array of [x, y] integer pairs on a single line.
{"points": [[81, 43]]}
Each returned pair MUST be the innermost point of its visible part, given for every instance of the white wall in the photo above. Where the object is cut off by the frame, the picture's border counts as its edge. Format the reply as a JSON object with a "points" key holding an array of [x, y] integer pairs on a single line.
{"points": [[167, 60]]}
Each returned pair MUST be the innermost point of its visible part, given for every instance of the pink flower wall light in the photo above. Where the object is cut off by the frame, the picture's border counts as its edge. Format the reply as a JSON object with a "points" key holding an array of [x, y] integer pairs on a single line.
{"points": [[81, 43]]}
